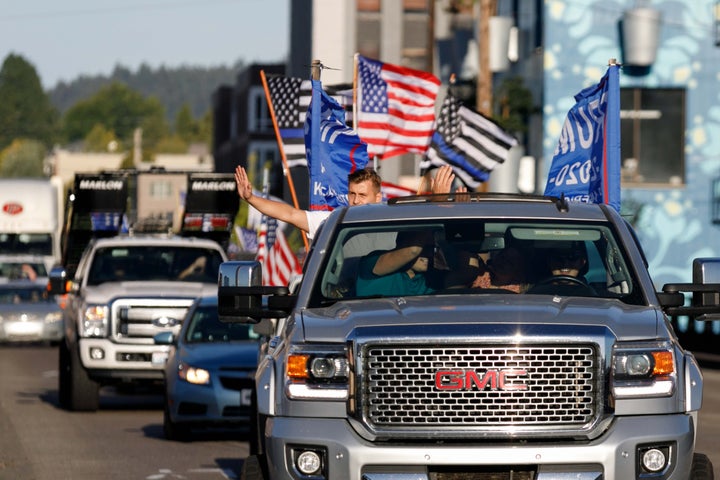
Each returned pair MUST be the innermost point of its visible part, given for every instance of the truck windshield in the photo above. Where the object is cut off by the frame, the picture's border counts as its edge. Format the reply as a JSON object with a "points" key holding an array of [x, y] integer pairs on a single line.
{"points": [[476, 256], [26, 243], [152, 263]]}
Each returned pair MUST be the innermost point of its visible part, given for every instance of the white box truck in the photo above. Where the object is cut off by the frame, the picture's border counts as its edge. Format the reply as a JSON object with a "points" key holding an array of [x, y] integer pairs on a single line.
{"points": [[30, 224]]}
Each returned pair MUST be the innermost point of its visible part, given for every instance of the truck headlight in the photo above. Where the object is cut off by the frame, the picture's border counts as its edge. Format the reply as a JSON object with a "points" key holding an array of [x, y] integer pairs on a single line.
{"points": [[94, 321], [643, 370], [194, 375], [318, 373]]}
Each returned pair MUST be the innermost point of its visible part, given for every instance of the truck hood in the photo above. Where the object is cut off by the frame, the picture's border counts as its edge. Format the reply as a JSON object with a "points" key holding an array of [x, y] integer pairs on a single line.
{"points": [[479, 315], [109, 290]]}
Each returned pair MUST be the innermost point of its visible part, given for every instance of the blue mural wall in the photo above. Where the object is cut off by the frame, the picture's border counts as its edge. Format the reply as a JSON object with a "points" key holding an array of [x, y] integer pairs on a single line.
{"points": [[674, 223]]}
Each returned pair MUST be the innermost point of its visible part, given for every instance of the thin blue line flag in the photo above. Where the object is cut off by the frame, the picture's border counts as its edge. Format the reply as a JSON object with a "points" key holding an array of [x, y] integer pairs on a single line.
{"points": [[333, 151], [586, 163]]}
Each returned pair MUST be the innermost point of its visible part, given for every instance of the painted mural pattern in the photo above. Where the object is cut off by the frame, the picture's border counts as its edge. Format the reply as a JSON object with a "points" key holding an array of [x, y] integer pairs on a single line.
{"points": [[673, 224]]}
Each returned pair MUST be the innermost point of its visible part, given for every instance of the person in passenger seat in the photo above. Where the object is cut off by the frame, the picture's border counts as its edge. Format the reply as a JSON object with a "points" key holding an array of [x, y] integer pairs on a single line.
{"points": [[400, 271]]}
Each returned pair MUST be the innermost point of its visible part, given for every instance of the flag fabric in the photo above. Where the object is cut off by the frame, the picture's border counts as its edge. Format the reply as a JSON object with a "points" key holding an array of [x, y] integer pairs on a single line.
{"points": [[586, 163], [396, 108], [290, 97], [333, 151], [391, 190], [278, 260], [247, 238], [472, 144]]}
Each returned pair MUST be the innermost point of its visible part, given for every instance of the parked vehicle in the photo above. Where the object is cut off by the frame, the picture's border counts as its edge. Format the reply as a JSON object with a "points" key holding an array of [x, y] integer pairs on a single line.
{"points": [[28, 313], [575, 374], [209, 373]]}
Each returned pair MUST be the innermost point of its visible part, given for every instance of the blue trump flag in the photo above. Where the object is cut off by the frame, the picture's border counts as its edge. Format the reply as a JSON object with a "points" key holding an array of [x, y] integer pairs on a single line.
{"points": [[333, 151], [586, 163]]}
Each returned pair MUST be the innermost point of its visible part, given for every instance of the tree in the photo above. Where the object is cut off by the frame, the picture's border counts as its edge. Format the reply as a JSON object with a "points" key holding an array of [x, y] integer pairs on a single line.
{"points": [[100, 139], [120, 110], [25, 109], [23, 158]]}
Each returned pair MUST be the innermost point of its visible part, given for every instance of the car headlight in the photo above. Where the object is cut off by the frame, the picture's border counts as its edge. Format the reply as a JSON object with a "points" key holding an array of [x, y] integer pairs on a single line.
{"points": [[94, 321], [643, 370], [54, 317], [317, 373], [194, 375]]}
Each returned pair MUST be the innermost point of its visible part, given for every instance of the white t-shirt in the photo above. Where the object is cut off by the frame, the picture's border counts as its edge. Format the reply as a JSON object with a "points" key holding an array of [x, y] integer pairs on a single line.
{"points": [[315, 218]]}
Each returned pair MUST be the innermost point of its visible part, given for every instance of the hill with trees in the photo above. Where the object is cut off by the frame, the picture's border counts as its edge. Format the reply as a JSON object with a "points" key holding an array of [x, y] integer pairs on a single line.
{"points": [[173, 87]]}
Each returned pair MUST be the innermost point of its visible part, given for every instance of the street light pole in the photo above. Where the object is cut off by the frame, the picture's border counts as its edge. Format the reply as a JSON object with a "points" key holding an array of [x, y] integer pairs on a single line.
{"points": [[484, 79]]}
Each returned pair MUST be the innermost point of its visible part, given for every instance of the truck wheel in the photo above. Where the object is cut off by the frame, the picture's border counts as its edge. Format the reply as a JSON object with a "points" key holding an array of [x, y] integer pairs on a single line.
{"points": [[257, 424], [253, 468], [83, 394], [63, 376], [702, 468], [172, 430]]}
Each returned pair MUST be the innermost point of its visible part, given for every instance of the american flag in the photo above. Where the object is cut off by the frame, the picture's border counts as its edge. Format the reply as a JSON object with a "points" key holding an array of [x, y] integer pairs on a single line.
{"points": [[468, 141], [396, 108], [290, 97], [391, 190], [279, 262]]}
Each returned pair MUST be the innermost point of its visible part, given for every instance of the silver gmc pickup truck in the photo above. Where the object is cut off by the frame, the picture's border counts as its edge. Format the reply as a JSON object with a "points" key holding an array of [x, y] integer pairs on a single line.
{"points": [[457, 369]]}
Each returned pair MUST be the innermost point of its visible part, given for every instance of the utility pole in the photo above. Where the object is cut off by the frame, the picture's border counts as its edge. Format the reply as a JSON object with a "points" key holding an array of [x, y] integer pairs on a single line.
{"points": [[488, 8]]}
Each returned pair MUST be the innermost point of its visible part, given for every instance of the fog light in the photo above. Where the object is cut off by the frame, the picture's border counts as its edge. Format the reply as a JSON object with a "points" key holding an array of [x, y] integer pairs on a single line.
{"points": [[654, 460], [308, 462], [97, 353]]}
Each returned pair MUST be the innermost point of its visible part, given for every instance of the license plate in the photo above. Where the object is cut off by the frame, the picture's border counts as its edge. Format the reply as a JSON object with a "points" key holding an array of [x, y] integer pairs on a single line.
{"points": [[159, 358]]}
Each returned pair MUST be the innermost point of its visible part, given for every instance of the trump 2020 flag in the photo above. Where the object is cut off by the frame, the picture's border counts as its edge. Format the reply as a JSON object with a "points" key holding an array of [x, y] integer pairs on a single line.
{"points": [[586, 163], [333, 151], [396, 107]]}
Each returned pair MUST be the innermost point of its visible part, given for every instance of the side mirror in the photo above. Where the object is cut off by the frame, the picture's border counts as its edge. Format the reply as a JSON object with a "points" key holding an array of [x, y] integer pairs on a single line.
{"points": [[58, 281], [243, 299], [164, 338]]}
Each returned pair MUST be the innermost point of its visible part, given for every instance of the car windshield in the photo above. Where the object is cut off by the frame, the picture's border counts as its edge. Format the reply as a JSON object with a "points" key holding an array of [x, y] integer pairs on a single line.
{"points": [[476, 256], [205, 327], [24, 295], [26, 243], [15, 270], [154, 263]]}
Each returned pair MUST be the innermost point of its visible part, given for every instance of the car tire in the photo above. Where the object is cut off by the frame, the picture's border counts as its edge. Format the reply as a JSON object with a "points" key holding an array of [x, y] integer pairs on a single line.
{"points": [[253, 468], [83, 393], [702, 468], [172, 430], [256, 428]]}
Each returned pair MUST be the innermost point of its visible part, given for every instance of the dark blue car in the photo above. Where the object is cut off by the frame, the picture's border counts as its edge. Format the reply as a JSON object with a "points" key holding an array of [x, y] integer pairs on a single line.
{"points": [[209, 374]]}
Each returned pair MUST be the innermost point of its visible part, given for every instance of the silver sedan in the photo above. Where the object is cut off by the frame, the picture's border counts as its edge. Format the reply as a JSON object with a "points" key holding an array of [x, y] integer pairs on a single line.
{"points": [[28, 313]]}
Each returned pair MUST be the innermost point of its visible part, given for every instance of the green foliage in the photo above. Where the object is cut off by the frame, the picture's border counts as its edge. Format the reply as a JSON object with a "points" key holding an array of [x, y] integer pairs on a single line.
{"points": [[176, 87], [100, 139], [121, 110], [22, 158], [514, 104], [25, 109], [172, 144]]}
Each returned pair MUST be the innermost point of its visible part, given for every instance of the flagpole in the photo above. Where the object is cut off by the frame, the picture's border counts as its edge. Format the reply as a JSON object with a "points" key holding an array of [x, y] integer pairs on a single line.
{"points": [[286, 169]]}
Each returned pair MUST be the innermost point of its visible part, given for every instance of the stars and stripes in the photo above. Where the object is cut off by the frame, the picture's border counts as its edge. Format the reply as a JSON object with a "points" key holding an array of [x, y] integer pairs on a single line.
{"points": [[290, 98], [396, 108], [468, 141], [279, 262]]}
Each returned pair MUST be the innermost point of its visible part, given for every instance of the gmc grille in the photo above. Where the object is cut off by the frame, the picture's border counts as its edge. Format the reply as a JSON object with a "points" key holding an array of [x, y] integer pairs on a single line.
{"points": [[138, 320], [479, 387]]}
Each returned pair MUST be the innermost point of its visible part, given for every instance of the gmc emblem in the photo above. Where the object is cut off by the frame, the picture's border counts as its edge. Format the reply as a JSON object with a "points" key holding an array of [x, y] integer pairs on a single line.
{"points": [[501, 379]]}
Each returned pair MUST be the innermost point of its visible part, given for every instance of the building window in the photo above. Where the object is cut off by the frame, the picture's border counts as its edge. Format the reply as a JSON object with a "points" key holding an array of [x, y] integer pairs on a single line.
{"points": [[646, 115], [258, 114], [160, 190]]}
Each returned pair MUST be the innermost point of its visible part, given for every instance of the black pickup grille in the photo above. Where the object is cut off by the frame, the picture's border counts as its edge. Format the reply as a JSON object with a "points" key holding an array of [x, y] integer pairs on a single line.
{"points": [[468, 386]]}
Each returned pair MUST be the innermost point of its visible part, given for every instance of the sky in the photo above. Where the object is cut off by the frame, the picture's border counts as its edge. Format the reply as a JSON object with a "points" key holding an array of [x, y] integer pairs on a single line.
{"points": [[68, 38]]}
